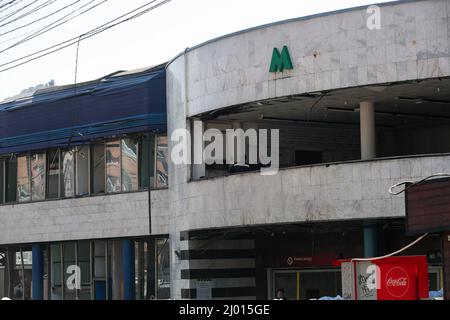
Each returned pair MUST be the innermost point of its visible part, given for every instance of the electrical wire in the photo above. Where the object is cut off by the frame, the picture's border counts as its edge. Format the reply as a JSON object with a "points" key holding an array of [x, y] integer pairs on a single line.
{"points": [[91, 33], [17, 11], [12, 3], [40, 7], [409, 184], [52, 25], [18, 36], [393, 253], [40, 19]]}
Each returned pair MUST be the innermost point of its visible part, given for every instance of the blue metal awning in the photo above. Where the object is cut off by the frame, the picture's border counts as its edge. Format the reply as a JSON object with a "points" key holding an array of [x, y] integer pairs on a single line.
{"points": [[61, 116]]}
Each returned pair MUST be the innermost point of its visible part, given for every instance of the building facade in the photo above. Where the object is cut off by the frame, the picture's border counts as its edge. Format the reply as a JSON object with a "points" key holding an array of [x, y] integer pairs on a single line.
{"points": [[87, 182], [359, 109], [78, 165]]}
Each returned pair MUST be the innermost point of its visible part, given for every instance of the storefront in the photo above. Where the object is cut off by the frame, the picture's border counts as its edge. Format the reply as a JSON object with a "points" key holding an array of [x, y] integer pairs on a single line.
{"points": [[114, 269], [306, 284], [303, 260]]}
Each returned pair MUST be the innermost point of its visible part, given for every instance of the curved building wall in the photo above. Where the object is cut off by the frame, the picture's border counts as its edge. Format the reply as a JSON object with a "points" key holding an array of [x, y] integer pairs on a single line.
{"points": [[329, 51]]}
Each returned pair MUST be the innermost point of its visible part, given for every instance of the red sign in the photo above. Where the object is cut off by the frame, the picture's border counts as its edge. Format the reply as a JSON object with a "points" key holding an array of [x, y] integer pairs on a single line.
{"points": [[402, 280], [394, 278]]}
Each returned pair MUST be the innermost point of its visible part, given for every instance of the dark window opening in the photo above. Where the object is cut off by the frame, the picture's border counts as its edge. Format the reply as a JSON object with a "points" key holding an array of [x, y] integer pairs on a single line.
{"points": [[308, 157], [11, 180]]}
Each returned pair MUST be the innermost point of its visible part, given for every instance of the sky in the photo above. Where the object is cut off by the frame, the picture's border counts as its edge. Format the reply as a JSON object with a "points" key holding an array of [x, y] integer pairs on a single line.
{"points": [[153, 38]]}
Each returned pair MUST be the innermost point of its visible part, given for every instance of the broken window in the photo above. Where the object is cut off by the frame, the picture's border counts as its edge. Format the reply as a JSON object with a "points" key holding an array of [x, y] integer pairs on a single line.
{"points": [[53, 175], [23, 179], [37, 166], [129, 165], [113, 167], [162, 154], [98, 168]]}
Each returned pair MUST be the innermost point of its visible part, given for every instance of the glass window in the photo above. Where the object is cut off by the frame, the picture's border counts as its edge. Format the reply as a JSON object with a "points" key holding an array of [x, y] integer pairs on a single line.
{"points": [[37, 176], [69, 174], [98, 168], [147, 161], [162, 177], [70, 293], [23, 179], [130, 165], [163, 269], [82, 170], [54, 171], [11, 180], [113, 167], [56, 273]]}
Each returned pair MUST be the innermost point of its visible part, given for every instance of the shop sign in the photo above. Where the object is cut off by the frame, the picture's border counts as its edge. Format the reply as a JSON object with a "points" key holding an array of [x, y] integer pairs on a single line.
{"points": [[312, 261]]}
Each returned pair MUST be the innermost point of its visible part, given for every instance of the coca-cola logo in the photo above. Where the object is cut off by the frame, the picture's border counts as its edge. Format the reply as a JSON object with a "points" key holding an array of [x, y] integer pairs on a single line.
{"points": [[400, 282], [397, 282]]}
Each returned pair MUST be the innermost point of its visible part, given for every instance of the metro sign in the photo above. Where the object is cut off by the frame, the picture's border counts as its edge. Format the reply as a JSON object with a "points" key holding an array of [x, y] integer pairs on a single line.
{"points": [[281, 61]]}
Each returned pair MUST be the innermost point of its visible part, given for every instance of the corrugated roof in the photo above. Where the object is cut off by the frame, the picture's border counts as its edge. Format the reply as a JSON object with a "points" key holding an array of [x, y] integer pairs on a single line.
{"points": [[112, 82]]}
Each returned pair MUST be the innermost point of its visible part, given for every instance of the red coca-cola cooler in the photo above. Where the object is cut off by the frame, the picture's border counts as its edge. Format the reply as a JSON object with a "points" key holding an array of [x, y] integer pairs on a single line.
{"points": [[393, 278]]}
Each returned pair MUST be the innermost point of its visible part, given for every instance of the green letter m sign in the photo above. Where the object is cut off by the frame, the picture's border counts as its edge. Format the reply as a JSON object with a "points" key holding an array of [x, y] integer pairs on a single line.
{"points": [[281, 61]]}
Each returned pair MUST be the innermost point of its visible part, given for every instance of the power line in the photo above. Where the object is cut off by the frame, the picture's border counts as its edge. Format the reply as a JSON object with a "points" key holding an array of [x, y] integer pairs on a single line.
{"points": [[92, 33], [55, 24], [40, 7], [7, 3], [11, 3], [9, 15], [40, 19], [72, 39], [18, 36]]}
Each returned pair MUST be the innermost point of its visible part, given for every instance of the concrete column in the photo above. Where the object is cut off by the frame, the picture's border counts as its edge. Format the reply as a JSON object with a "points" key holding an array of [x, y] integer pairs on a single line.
{"points": [[368, 131], [129, 291], [368, 151], [37, 272]]}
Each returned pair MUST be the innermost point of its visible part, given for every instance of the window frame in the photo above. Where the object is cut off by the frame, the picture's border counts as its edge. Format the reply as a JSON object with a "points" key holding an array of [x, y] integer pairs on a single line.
{"points": [[151, 138]]}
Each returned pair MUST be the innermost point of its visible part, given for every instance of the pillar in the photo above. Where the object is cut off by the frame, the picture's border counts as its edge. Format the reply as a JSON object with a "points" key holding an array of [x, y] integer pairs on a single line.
{"points": [[129, 292], [368, 151], [370, 242], [37, 272], [368, 132]]}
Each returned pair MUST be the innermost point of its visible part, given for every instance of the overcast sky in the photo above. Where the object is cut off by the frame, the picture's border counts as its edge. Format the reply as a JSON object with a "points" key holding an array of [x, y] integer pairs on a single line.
{"points": [[151, 39]]}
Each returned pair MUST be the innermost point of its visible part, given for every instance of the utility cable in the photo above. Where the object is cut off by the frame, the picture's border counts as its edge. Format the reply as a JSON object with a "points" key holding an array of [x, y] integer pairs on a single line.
{"points": [[73, 41], [40, 19]]}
